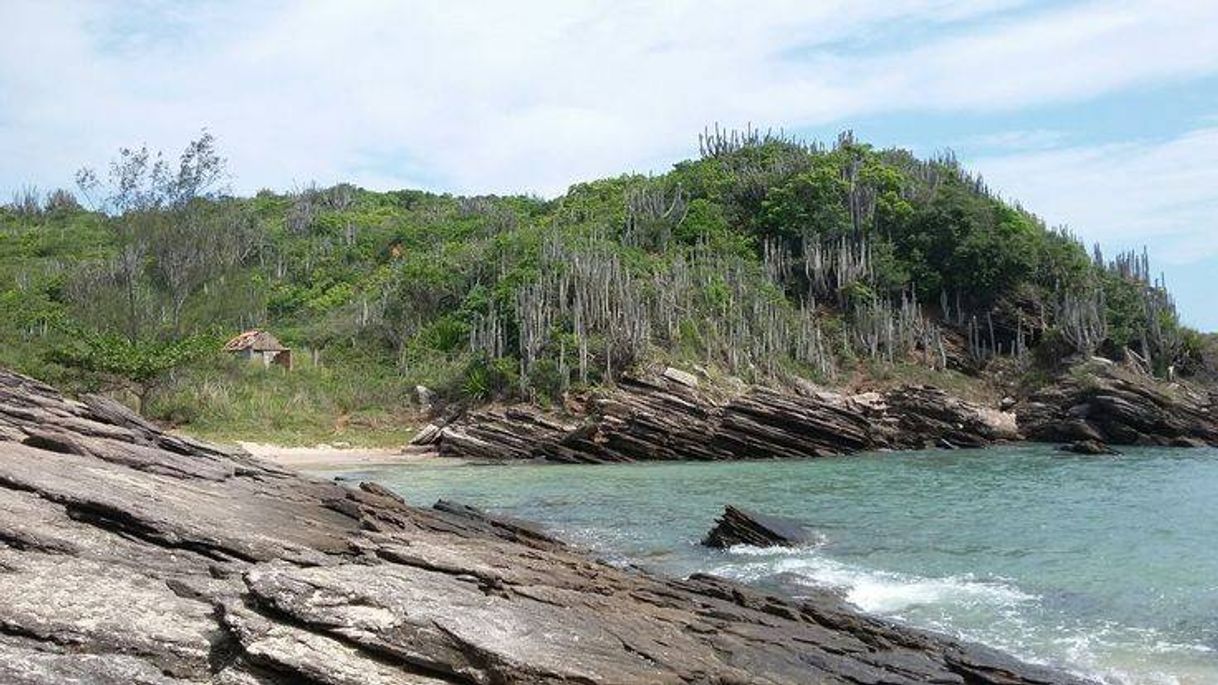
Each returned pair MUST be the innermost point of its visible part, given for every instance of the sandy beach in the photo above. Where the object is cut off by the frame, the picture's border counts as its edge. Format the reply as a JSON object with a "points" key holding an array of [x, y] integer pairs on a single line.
{"points": [[330, 457]]}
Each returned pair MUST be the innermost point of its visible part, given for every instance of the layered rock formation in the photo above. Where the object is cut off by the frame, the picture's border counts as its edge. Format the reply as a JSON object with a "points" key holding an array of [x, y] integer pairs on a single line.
{"points": [[739, 527], [664, 420], [132, 556], [1103, 402]]}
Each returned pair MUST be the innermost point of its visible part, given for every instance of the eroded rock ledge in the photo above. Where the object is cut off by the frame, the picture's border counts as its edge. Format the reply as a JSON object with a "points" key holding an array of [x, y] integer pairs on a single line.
{"points": [[660, 418], [132, 556], [664, 420]]}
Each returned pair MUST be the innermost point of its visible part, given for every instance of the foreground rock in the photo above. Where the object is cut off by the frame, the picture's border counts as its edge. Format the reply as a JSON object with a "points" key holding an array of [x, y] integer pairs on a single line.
{"points": [[666, 420], [1104, 402], [739, 527], [132, 556]]}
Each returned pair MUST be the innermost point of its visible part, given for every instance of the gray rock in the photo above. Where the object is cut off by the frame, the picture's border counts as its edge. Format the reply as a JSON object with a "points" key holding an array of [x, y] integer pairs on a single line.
{"points": [[1088, 447], [426, 397], [681, 377], [740, 527], [131, 556], [1107, 403], [643, 421], [427, 435]]}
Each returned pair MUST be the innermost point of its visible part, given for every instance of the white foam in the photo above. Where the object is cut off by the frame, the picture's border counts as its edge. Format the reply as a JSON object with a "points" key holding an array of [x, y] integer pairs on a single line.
{"points": [[1124, 655], [874, 591], [991, 611]]}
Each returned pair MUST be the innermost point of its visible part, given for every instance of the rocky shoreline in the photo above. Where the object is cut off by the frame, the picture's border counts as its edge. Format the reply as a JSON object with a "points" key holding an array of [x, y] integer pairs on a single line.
{"points": [[660, 419], [1103, 402], [665, 419], [131, 556]]}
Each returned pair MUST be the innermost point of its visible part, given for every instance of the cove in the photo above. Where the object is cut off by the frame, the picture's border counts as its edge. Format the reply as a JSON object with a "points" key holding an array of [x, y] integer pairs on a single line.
{"points": [[1104, 566]]}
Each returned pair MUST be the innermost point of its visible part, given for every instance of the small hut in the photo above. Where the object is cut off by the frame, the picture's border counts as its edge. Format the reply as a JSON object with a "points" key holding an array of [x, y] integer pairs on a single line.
{"points": [[260, 346]]}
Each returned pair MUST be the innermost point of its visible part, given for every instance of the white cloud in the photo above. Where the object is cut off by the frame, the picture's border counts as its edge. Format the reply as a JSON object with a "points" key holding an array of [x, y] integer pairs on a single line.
{"points": [[533, 96], [1163, 194], [1023, 139], [1062, 55]]}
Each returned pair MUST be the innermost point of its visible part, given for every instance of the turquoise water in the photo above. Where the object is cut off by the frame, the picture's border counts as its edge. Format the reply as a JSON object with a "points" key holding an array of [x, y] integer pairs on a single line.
{"points": [[1107, 566]]}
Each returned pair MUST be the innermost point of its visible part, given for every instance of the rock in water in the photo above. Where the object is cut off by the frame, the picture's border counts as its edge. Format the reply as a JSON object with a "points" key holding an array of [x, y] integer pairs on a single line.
{"points": [[1088, 447], [739, 527], [131, 556], [500, 526]]}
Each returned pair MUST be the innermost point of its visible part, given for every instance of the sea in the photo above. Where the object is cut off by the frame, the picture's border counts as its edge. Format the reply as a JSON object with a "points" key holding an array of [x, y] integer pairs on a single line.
{"points": [[1104, 566]]}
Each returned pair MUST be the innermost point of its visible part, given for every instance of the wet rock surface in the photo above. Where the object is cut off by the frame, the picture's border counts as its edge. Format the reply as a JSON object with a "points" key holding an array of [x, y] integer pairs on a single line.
{"points": [[1103, 402], [643, 420], [128, 555], [741, 527]]}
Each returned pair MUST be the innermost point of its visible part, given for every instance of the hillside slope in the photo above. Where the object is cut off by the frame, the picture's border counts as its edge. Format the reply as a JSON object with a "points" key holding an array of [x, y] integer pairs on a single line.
{"points": [[765, 259]]}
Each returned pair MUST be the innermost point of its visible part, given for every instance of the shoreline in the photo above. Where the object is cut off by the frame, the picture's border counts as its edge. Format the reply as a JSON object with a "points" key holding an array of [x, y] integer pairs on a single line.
{"points": [[658, 419], [328, 457], [146, 551]]}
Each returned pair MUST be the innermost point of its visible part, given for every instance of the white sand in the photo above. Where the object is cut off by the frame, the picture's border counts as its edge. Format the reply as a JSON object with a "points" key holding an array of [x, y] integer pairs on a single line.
{"points": [[326, 456]]}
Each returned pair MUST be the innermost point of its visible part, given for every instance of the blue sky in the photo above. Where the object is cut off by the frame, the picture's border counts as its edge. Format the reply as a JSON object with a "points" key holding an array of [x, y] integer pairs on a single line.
{"points": [[1102, 116]]}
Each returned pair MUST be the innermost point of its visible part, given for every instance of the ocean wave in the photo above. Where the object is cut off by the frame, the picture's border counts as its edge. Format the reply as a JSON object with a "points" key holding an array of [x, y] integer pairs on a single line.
{"points": [[881, 592], [991, 611], [1118, 654]]}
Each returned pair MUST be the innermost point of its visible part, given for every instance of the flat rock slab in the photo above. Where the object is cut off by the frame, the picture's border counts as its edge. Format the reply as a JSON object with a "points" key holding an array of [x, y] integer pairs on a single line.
{"points": [[132, 556]]}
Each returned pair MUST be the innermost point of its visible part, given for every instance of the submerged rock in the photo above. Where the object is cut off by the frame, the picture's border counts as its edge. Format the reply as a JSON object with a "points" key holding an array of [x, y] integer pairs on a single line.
{"points": [[1088, 447], [131, 556], [740, 527]]}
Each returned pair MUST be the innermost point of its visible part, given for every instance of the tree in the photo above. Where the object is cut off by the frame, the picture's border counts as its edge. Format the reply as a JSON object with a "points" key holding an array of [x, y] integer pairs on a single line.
{"points": [[814, 203], [198, 243], [150, 205], [171, 229], [172, 233], [140, 366]]}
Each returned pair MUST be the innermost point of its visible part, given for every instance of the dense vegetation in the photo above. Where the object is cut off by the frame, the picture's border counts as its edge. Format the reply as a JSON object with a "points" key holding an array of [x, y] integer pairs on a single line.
{"points": [[765, 258]]}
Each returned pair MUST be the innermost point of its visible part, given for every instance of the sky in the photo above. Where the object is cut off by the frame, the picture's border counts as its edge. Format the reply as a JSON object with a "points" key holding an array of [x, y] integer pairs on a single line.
{"points": [[1099, 116]]}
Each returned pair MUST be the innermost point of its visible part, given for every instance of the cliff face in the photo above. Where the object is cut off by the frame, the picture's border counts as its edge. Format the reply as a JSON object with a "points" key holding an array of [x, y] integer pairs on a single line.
{"points": [[132, 556]]}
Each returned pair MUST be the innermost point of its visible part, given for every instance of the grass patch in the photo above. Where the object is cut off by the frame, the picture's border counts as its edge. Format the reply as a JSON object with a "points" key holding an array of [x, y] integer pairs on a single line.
{"points": [[882, 376], [228, 400]]}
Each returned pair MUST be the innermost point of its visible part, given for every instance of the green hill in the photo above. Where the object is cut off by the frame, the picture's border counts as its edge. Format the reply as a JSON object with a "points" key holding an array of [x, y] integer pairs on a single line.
{"points": [[766, 259]]}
